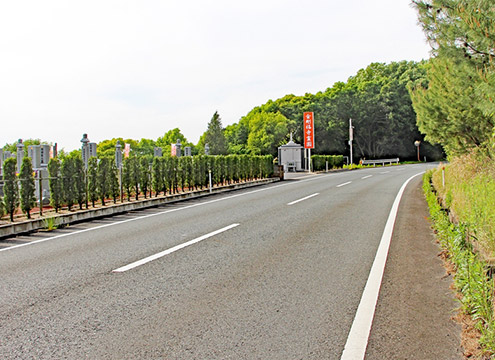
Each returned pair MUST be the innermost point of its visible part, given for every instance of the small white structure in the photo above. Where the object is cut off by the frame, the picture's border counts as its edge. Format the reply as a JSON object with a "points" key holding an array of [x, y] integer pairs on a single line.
{"points": [[290, 156]]}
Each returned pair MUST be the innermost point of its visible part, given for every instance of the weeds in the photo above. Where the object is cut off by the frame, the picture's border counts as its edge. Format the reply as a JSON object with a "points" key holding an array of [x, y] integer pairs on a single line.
{"points": [[50, 223], [471, 278]]}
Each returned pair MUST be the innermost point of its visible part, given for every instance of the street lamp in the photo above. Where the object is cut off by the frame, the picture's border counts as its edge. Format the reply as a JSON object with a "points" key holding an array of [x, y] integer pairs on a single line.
{"points": [[417, 143]]}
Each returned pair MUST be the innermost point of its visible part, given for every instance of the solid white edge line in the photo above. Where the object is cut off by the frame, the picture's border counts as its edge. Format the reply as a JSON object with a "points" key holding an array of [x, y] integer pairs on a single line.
{"points": [[172, 249], [344, 184], [151, 215], [357, 341], [304, 198]]}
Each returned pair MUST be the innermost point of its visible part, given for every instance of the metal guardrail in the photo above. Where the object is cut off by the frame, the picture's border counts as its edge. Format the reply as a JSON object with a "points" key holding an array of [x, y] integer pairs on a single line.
{"points": [[380, 161]]}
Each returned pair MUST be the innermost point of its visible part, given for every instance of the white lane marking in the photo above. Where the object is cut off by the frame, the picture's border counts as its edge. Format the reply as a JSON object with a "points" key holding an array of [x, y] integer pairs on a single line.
{"points": [[344, 184], [172, 249], [357, 341], [384, 172], [155, 214], [366, 177], [304, 198]]}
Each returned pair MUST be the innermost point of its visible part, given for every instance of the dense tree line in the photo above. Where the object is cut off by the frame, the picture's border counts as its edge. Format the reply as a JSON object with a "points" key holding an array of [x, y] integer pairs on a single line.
{"points": [[455, 106], [377, 99]]}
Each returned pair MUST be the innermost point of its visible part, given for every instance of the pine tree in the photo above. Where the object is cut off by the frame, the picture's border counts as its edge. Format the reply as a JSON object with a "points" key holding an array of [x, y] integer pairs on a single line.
{"points": [[27, 196], [10, 187], [214, 136], [55, 183]]}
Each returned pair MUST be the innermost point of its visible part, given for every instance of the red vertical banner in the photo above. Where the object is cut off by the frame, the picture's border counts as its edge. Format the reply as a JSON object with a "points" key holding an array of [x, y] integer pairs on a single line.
{"points": [[309, 130]]}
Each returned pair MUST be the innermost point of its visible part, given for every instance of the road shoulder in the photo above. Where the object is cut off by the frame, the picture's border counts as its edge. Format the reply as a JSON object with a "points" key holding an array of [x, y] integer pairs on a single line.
{"points": [[415, 305]]}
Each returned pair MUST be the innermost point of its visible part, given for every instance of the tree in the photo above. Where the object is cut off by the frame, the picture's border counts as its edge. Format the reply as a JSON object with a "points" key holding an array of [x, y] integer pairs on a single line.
{"points": [[2, 210], [27, 196], [214, 136], [144, 174], [114, 181], [93, 180], [80, 181], [55, 183], [126, 177], [157, 175], [10, 187], [456, 107], [104, 179], [171, 137], [67, 172], [135, 174]]}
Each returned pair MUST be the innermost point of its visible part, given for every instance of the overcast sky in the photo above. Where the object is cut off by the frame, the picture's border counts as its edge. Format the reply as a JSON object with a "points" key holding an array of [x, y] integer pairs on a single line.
{"points": [[136, 69]]}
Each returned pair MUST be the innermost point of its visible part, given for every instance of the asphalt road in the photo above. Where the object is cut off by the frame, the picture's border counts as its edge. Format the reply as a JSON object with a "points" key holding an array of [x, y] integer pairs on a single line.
{"points": [[275, 272]]}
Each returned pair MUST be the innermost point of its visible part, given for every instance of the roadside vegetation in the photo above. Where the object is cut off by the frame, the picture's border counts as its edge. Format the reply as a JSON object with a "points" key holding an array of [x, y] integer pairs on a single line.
{"points": [[455, 108], [142, 177]]}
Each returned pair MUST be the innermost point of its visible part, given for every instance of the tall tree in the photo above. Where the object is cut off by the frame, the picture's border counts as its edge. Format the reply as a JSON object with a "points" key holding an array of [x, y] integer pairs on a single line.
{"points": [[10, 187], [456, 108], [214, 136], [93, 180], [80, 181], [67, 172], [26, 178], [104, 179], [55, 183]]}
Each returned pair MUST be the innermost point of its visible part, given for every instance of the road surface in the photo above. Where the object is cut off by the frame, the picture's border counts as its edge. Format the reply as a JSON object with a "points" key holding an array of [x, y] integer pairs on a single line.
{"points": [[275, 272]]}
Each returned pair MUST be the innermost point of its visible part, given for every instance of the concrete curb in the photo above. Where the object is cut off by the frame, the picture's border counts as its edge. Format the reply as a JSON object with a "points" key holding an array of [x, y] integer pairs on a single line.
{"points": [[115, 209]]}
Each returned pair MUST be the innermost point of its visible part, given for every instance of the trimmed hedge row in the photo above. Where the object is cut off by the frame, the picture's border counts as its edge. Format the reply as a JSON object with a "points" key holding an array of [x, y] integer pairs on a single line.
{"points": [[319, 161]]}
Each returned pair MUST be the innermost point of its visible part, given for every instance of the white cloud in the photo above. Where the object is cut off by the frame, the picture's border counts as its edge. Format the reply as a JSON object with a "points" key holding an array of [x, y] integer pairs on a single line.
{"points": [[138, 69]]}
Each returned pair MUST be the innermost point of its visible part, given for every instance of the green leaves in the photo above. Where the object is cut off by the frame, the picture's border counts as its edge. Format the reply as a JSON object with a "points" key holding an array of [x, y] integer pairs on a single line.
{"points": [[456, 108], [26, 178], [10, 187]]}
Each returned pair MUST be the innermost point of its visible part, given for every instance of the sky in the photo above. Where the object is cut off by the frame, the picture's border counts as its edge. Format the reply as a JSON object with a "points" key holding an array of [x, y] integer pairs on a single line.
{"points": [[137, 69]]}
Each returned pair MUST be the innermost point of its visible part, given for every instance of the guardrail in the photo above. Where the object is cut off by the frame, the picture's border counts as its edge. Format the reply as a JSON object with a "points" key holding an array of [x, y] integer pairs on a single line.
{"points": [[380, 161], [20, 227]]}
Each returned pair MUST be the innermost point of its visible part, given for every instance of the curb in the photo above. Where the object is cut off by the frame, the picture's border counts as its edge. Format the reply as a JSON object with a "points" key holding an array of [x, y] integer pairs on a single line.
{"points": [[116, 209]]}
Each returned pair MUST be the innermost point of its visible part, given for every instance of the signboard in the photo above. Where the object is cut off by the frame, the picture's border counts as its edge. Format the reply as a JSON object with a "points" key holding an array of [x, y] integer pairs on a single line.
{"points": [[127, 150], [309, 134]]}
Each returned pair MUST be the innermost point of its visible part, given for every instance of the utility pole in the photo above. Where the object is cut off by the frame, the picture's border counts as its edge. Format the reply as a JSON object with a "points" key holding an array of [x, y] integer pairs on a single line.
{"points": [[351, 137]]}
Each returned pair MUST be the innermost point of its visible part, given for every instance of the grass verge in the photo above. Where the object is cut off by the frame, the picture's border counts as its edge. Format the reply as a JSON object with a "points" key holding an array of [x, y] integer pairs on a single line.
{"points": [[472, 277]]}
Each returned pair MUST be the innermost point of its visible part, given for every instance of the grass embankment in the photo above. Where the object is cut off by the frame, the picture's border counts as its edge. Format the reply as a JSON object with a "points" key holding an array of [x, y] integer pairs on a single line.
{"points": [[461, 197]]}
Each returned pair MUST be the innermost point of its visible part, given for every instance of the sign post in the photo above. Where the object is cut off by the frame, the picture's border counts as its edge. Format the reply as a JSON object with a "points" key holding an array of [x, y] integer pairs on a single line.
{"points": [[309, 137]]}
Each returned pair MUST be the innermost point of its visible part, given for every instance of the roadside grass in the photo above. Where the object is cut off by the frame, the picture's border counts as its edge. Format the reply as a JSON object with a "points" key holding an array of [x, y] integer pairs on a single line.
{"points": [[467, 189], [472, 275], [50, 223]]}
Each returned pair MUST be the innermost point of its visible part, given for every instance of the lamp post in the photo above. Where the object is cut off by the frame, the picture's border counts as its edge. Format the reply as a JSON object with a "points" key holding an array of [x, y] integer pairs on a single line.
{"points": [[417, 143]]}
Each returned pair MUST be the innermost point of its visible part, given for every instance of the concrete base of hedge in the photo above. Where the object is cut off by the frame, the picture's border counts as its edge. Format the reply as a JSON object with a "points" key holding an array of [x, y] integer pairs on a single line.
{"points": [[17, 228]]}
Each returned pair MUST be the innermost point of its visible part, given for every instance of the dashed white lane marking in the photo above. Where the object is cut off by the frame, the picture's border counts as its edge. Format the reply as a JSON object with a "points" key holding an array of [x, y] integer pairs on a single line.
{"points": [[357, 341], [344, 184], [304, 198], [173, 249], [366, 177]]}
